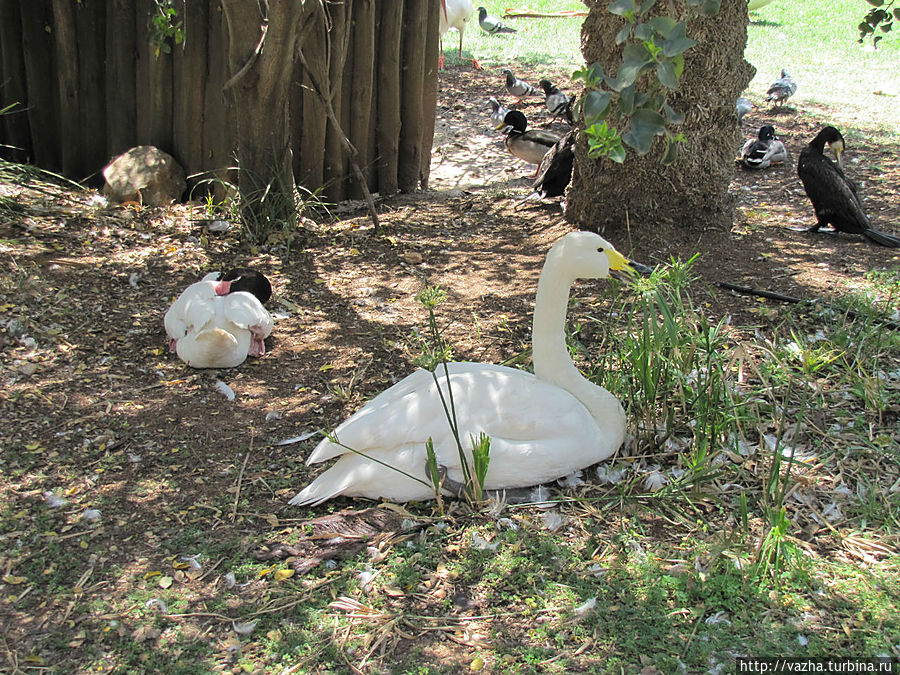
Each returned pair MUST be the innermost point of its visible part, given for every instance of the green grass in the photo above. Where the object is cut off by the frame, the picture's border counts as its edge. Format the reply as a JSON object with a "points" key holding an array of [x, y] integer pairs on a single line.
{"points": [[554, 43], [817, 43]]}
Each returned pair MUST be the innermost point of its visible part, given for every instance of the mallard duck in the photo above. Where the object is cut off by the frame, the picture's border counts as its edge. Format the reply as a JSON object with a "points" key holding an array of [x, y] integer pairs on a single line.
{"points": [[762, 152], [741, 108], [782, 89], [213, 324], [519, 88], [542, 426], [454, 14], [557, 102], [491, 24], [530, 146], [832, 194]]}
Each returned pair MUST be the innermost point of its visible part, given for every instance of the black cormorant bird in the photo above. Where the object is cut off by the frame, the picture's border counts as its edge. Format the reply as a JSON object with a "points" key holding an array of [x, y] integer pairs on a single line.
{"points": [[764, 151], [832, 194], [555, 171]]}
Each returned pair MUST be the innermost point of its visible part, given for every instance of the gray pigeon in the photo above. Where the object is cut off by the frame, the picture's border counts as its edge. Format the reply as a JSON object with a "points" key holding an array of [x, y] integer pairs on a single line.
{"points": [[519, 88], [491, 24], [499, 112], [557, 102], [741, 108], [781, 90]]}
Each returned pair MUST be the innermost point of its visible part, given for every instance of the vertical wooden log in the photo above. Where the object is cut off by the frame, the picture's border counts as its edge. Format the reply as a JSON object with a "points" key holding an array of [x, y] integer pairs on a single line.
{"points": [[189, 91], [90, 24], [361, 127], [142, 9], [388, 85], [314, 49], [67, 78], [121, 109], [15, 131], [430, 91], [332, 166], [297, 120], [218, 134], [412, 77], [154, 83], [348, 100], [40, 76]]}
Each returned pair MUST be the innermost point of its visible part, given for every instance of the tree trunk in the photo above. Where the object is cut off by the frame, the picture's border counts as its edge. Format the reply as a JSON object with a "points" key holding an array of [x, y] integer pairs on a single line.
{"points": [[694, 190], [260, 63]]}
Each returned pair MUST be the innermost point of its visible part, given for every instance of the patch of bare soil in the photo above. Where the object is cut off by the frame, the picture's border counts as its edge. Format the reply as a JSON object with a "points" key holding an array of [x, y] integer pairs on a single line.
{"points": [[97, 412]]}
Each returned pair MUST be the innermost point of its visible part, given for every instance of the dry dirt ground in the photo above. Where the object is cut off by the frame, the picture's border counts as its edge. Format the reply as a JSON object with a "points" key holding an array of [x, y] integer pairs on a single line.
{"points": [[91, 400]]}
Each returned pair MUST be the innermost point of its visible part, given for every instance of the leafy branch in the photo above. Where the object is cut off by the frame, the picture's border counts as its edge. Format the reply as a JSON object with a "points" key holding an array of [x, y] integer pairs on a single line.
{"points": [[164, 27], [880, 17], [651, 68]]}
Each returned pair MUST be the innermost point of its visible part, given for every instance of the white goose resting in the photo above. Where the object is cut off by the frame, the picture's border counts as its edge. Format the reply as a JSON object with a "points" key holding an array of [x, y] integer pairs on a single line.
{"points": [[210, 326], [542, 426]]}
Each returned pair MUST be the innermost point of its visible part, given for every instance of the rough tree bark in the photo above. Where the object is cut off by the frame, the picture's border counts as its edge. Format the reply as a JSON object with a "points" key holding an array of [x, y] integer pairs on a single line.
{"points": [[261, 51], [694, 190]]}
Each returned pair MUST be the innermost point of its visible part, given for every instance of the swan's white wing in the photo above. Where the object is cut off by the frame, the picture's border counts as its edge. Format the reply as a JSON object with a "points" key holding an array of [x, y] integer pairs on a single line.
{"points": [[538, 432], [194, 307], [245, 310], [507, 404]]}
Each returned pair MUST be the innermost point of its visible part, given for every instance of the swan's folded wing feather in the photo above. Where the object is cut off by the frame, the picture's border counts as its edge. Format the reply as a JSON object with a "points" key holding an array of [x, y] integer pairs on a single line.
{"points": [[194, 307], [245, 310], [502, 402]]}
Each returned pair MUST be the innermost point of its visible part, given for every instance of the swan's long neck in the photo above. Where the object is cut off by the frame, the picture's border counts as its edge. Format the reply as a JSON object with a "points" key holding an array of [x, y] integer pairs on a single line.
{"points": [[552, 362]]}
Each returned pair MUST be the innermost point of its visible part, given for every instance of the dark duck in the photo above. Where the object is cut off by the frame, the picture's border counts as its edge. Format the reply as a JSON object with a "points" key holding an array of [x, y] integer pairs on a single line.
{"points": [[832, 194]]}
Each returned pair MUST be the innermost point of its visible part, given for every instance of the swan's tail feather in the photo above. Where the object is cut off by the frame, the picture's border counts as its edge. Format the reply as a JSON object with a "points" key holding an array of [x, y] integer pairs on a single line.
{"points": [[321, 489], [882, 238]]}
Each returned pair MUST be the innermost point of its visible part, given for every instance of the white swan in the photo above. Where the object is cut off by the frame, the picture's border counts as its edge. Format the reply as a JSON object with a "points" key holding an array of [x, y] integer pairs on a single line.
{"points": [[210, 326], [542, 426]]}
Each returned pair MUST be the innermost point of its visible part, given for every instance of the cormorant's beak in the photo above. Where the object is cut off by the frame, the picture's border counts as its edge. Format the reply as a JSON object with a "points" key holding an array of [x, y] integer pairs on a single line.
{"points": [[838, 149]]}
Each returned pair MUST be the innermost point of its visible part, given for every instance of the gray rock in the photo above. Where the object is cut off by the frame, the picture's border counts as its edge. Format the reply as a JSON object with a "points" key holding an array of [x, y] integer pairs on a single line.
{"points": [[144, 174]]}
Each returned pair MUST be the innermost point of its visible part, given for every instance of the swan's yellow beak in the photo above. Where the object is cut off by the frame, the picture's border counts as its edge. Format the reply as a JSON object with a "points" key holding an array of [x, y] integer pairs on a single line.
{"points": [[617, 261]]}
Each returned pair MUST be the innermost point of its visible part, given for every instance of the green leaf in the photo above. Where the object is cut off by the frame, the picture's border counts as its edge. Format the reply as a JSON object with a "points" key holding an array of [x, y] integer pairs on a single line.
{"points": [[626, 100], [865, 28], [634, 58], [897, 13], [671, 153], [875, 3], [710, 7], [672, 117], [613, 83], [596, 105], [623, 34], [623, 7], [643, 31], [617, 153], [646, 6], [645, 126], [665, 71], [677, 42], [663, 25]]}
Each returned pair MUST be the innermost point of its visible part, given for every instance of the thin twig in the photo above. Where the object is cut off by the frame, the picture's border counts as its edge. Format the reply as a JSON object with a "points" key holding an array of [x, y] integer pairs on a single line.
{"points": [[345, 142], [771, 295], [237, 493], [247, 66]]}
